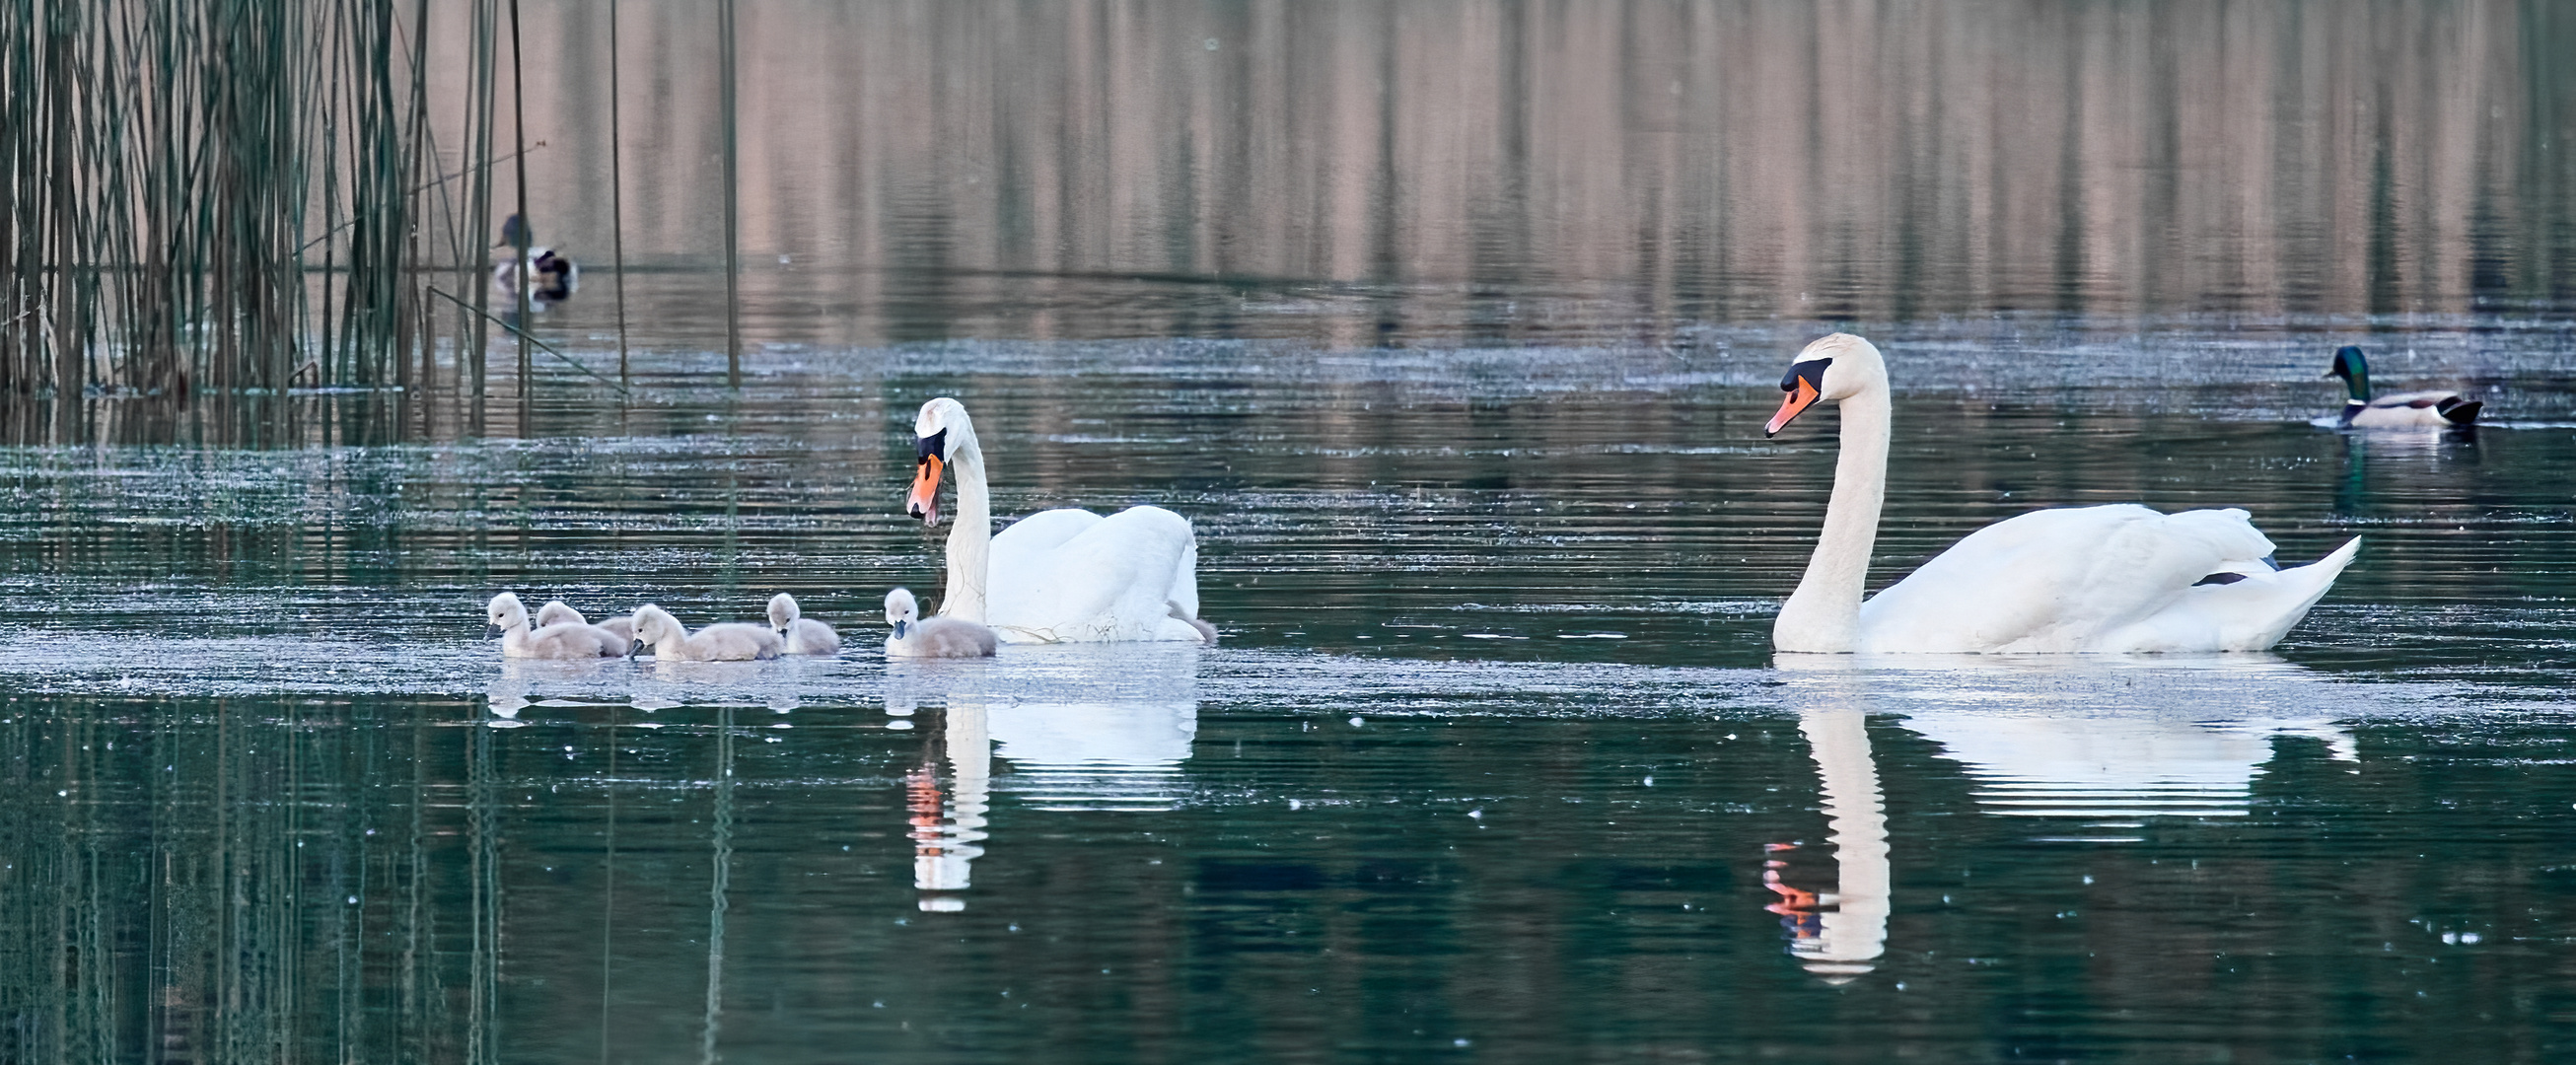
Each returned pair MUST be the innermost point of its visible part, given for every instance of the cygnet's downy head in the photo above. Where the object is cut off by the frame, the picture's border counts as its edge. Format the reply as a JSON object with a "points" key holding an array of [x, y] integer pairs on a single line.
{"points": [[942, 425], [1834, 367], [505, 613], [902, 612], [557, 612], [654, 626], [782, 611]]}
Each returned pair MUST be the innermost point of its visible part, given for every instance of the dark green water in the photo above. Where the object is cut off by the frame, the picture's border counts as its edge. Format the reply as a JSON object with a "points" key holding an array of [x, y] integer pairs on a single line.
{"points": [[1454, 335]]}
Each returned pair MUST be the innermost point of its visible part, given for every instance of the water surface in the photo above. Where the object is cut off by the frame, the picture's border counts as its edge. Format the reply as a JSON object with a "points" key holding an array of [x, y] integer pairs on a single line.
{"points": [[1453, 329]]}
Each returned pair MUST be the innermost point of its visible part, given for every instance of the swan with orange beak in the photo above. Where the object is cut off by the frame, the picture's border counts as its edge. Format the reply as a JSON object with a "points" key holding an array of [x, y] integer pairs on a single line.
{"points": [[1057, 576], [2118, 578]]}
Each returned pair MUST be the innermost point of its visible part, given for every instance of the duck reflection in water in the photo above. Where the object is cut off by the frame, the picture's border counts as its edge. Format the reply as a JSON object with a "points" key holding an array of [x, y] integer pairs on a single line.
{"points": [[1122, 751]]}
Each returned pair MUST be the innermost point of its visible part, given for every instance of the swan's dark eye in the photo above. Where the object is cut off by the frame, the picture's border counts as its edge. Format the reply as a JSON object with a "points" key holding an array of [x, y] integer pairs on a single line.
{"points": [[934, 444], [1813, 370]]}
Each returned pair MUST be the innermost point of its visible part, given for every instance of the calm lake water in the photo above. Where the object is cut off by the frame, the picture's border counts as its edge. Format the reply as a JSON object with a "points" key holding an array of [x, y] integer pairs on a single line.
{"points": [[1453, 328]]}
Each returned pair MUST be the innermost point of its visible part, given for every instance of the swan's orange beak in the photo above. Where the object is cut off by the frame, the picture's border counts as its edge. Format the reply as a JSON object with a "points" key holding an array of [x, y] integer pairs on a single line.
{"points": [[923, 503], [1802, 395]]}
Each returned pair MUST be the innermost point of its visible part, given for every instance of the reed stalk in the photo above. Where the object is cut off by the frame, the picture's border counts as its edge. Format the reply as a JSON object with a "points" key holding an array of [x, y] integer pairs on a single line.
{"points": [[616, 193], [732, 201], [227, 196]]}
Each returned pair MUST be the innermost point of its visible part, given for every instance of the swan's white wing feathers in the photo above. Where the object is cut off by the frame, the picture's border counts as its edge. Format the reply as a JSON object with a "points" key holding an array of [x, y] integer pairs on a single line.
{"points": [[1041, 532], [2247, 615], [1107, 578], [2057, 580]]}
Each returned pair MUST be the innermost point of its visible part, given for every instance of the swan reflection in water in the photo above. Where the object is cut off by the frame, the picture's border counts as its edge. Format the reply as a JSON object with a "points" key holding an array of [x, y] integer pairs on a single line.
{"points": [[2107, 742], [1119, 748]]}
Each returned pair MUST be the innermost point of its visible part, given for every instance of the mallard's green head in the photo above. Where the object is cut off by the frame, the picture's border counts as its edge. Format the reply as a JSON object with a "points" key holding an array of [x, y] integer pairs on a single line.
{"points": [[2349, 365], [514, 232]]}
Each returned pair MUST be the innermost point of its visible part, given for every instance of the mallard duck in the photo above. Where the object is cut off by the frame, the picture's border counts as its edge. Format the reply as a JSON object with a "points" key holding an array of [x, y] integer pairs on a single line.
{"points": [[554, 276], [2436, 408]]}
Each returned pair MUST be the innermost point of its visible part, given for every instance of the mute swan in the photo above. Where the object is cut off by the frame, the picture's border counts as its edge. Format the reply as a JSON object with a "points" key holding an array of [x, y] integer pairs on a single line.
{"points": [[552, 277], [728, 642], [556, 613], [804, 635], [2436, 409], [1058, 575], [2118, 578], [940, 637], [508, 620]]}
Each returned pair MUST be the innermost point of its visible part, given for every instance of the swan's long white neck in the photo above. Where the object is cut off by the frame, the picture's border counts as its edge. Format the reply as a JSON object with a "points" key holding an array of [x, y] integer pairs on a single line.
{"points": [[970, 543], [1824, 613]]}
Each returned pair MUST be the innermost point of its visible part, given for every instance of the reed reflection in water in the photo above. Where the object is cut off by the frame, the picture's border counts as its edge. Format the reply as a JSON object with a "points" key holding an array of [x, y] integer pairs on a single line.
{"points": [[1495, 171]]}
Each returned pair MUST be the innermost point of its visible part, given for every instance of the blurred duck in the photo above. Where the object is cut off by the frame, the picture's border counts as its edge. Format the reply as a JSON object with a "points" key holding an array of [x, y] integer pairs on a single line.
{"points": [[552, 278], [2436, 408], [935, 638], [728, 642], [804, 635], [556, 613], [509, 620]]}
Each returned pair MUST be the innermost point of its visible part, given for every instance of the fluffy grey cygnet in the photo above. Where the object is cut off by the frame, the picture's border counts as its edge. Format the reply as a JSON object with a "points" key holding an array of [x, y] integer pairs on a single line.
{"points": [[556, 613], [934, 638], [804, 635], [728, 642], [508, 619], [1207, 632]]}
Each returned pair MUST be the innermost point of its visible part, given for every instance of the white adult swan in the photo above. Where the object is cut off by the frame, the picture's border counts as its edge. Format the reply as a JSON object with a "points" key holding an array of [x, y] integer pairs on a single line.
{"points": [[2118, 578], [1057, 576]]}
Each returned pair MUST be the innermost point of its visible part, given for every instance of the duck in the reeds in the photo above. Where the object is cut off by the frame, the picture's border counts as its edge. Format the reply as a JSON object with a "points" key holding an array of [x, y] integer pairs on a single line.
{"points": [[2432, 409], [508, 620], [804, 635], [933, 638], [552, 277], [556, 613], [728, 642]]}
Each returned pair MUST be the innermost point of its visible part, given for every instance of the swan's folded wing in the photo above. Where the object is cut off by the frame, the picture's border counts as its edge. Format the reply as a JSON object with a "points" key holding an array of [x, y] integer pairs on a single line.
{"points": [[2250, 614], [2055, 580], [1113, 580], [1041, 532], [2414, 399]]}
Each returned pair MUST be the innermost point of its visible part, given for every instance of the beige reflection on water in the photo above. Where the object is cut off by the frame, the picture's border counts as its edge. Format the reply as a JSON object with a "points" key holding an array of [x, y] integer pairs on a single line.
{"points": [[1498, 169]]}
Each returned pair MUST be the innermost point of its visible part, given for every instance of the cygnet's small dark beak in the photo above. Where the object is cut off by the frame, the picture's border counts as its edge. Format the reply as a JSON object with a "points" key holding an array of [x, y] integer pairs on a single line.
{"points": [[899, 628], [635, 648], [491, 632]]}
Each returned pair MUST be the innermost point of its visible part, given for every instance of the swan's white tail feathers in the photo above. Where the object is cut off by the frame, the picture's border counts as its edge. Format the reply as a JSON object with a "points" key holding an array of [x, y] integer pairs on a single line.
{"points": [[1207, 632], [2256, 612], [1185, 580]]}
